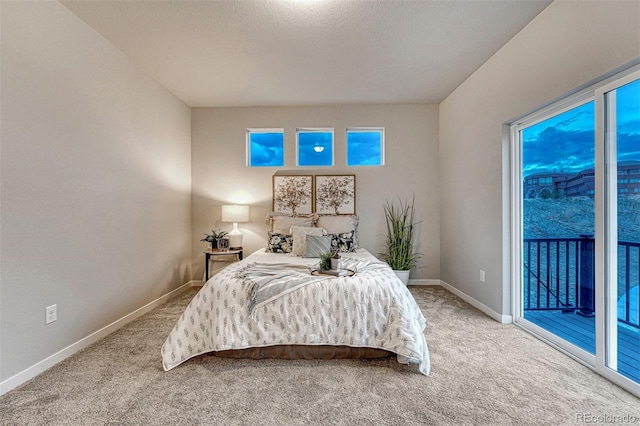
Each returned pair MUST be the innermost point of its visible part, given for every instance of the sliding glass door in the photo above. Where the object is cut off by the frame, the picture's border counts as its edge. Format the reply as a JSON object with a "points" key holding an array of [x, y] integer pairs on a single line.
{"points": [[620, 101], [558, 207], [576, 226]]}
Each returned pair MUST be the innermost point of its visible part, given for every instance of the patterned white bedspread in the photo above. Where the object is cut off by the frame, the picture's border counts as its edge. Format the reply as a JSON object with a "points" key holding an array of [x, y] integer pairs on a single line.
{"points": [[371, 309]]}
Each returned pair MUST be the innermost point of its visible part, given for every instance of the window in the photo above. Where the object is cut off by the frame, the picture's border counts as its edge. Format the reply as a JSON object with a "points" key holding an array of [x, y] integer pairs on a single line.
{"points": [[365, 146], [265, 147], [315, 147]]}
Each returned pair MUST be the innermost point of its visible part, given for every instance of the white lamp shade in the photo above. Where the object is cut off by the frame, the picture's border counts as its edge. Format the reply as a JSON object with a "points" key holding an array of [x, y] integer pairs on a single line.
{"points": [[235, 213]]}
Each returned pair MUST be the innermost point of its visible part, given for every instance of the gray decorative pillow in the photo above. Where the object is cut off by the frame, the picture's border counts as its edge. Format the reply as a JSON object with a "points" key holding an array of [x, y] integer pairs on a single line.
{"points": [[317, 245]]}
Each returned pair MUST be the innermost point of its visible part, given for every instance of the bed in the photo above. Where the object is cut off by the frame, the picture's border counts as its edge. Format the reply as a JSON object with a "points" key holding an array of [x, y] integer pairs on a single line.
{"points": [[274, 304], [270, 305]]}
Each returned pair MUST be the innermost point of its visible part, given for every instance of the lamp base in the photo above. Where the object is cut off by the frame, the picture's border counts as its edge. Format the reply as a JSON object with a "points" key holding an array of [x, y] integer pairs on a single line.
{"points": [[235, 237]]}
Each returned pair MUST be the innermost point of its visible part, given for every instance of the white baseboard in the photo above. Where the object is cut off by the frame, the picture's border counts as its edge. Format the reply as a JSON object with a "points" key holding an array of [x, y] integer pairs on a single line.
{"points": [[504, 319], [40, 367], [423, 281]]}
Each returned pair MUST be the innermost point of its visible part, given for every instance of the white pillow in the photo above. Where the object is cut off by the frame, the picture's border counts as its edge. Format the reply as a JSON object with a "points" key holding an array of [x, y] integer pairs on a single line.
{"points": [[281, 224], [299, 234], [340, 224]]}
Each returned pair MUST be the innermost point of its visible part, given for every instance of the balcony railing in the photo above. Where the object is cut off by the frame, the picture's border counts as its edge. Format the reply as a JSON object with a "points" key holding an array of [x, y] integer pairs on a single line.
{"points": [[559, 275]]}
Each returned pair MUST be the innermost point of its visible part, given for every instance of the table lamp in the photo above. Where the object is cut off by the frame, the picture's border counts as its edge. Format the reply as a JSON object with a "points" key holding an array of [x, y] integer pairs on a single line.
{"points": [[235, 213]]}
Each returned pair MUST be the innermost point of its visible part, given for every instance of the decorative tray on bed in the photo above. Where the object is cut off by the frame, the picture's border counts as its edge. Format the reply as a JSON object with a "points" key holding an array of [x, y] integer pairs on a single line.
{"points": [[334, 272]]}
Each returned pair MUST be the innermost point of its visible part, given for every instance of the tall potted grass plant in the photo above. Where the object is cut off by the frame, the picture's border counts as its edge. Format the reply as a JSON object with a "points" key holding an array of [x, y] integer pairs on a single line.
{"points": [[400, 220]]}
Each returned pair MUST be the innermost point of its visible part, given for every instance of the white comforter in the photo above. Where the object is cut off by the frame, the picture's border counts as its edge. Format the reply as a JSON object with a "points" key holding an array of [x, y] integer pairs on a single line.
{"points": [[371, 309]]}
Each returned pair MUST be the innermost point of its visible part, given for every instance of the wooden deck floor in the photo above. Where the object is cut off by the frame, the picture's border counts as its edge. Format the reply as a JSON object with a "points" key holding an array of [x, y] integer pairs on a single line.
{"points": [[581, 332]]}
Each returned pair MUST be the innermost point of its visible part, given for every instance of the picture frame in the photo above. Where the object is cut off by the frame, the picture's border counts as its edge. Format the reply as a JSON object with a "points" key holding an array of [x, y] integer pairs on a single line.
{"points": [[223, 244], [292, 194], [335, 194]]}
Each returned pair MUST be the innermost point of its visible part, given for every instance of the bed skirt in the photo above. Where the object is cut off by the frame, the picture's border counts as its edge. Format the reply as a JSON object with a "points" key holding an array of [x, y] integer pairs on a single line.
{"points": [[305, 352]]}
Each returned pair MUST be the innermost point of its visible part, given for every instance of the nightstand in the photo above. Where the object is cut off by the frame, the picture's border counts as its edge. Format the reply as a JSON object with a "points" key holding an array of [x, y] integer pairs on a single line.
{"points": [[220, 256]]}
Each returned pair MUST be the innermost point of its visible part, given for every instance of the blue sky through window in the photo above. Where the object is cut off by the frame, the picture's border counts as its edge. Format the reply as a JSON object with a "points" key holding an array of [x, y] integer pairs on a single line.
{"points": [[315, 148], [628, 121], [364, 147], [566, 142], [563, 143], [266, 149]]}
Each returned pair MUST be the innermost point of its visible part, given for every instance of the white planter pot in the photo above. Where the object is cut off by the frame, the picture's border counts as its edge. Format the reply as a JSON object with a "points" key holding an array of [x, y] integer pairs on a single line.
{"points": [[335, 263], [403, 276]]}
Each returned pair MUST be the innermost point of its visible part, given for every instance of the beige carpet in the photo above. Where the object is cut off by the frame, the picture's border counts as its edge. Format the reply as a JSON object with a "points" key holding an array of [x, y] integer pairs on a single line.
{"points": [[483, 373]]}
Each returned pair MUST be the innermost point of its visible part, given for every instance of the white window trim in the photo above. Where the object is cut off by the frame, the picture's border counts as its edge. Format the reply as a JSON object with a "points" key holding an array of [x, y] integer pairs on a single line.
{"points": [[248, 144], [594, 90], [316, 130], [365, 129], [606, 183]]}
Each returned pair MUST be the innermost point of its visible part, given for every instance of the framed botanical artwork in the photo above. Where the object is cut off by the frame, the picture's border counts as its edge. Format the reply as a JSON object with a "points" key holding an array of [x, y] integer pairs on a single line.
{"points": [[335, 194], [293, 194]]}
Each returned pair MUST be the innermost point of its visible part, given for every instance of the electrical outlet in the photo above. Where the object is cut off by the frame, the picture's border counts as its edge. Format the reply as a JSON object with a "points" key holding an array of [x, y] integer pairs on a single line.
{"points": [[482, 276], [51, 314]]}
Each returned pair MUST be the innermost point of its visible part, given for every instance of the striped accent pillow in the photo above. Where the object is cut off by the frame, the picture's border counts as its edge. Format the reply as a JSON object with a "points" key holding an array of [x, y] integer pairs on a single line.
{"points": [[317, 245]]}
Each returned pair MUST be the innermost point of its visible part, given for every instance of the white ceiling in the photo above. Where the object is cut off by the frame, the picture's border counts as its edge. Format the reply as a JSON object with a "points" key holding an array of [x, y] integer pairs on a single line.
{"points": [[313, 52]]}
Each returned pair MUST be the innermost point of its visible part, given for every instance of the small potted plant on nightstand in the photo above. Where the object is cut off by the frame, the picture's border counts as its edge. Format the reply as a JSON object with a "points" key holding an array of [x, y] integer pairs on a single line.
{"points": [[214, 237]]}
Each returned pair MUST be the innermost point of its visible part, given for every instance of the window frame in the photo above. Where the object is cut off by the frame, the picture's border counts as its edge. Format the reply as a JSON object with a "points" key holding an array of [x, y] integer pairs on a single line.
{"points": [[365, 130], [605, 193], [316, 130], [258, 130]]}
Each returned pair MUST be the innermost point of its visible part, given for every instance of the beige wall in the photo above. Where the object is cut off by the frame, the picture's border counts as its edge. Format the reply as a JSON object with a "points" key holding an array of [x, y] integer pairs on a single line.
{"points": [[567, 45], [219, 174], [95, 184]]}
